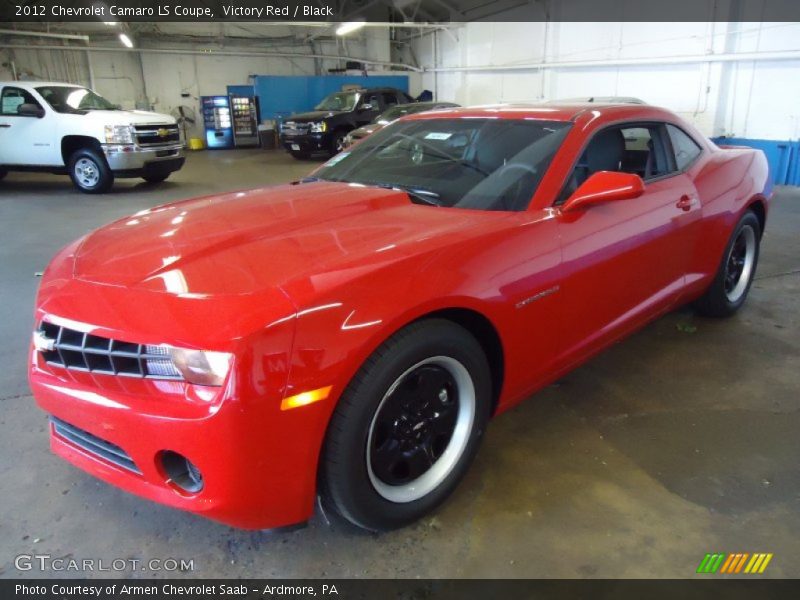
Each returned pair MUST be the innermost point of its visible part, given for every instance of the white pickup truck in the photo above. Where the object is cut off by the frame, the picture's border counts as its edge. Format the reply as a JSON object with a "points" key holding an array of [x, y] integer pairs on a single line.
{"points": [[64, 128]]}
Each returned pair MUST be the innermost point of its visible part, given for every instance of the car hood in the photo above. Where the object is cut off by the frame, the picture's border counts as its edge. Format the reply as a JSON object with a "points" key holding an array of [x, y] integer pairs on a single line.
{"points": [[246, 242], [132, 117], [314, 115]]}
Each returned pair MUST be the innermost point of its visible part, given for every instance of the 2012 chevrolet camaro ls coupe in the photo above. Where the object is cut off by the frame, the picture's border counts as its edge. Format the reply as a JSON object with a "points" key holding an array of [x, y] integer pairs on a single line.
{"points": [[352, 333]]}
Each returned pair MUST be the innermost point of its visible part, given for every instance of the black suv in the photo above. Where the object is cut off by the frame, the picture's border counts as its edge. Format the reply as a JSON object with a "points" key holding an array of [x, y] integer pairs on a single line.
{"points": [[324, 129]]}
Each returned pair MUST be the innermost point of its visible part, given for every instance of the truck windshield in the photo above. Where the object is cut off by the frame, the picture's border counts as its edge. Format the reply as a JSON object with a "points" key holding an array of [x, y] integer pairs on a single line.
{"points": [[339, 101], [73, 99], [477, 163]]}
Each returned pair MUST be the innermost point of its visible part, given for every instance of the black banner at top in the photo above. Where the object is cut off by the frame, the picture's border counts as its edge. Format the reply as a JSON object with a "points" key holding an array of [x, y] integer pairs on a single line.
{"points": [[399, 11]]}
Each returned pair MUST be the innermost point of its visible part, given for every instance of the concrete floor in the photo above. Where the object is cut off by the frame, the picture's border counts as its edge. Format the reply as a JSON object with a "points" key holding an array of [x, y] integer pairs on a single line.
{"points": [[676, 442]]}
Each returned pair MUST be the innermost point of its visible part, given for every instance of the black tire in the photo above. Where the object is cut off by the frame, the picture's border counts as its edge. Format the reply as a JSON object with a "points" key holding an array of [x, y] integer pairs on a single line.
{"points": [[156, 177], [300, 155], [347, 482], [337, 143], [728, 292], [89, 171]]}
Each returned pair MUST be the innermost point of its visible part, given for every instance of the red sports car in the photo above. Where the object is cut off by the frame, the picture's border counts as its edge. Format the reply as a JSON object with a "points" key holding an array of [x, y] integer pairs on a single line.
{"points": [[351, 334]]}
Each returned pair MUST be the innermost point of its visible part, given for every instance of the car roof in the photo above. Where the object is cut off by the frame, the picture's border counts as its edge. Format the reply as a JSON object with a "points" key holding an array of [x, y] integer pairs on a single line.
{"points": [[551, 111]]}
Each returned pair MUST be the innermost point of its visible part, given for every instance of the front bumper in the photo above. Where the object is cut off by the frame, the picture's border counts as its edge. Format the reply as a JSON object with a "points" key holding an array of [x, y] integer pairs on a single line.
{"points": [[311, 142], [259, 463], [130, 160]]}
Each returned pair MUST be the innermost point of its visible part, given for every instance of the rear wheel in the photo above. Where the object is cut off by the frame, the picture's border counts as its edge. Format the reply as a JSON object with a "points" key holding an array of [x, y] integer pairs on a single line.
{"points": [[89, 171], [731, 284], [407, 427]]}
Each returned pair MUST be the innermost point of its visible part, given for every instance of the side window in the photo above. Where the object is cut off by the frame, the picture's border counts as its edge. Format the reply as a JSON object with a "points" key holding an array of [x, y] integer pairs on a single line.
{"points": [[390, 99], [684, 147], [12, 98], [644, 154], [637, 149], [374, 100]]}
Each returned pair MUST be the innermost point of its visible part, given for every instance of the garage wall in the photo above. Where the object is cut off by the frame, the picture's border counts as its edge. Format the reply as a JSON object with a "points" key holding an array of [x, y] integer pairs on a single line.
{"points": [[486, 62], [128, 78]]}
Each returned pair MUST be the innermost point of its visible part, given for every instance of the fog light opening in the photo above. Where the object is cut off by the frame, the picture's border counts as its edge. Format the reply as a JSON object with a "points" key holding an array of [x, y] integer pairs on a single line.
{"points": [[181, 472]]}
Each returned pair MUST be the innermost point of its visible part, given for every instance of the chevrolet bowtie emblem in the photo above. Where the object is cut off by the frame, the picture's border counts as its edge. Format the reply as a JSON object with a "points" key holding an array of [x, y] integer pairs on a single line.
{"points": [[43, 343], [162, 132]]}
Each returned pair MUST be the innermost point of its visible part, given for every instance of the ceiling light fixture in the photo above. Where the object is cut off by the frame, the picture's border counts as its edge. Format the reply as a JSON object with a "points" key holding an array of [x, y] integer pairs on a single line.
{"points": [[125, 40], [349, 27]]}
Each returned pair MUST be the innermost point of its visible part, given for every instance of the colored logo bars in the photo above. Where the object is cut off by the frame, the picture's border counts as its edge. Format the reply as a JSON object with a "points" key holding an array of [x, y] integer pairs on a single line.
{"points": [[735, 563]]}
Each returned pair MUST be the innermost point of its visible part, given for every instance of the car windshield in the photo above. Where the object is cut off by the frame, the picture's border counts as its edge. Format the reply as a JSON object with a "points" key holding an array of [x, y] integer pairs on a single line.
{"points": [[339, 101], [71, 99], [477, 163]]}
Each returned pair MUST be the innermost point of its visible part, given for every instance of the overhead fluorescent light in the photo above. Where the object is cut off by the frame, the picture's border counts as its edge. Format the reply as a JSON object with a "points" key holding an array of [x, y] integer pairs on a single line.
{"points": [[125, 40], [110, 22], [349, 27]]}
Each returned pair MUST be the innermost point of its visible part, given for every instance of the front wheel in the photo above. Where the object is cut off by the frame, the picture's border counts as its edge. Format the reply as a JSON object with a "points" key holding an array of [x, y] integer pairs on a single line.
{"points": [[731, 284], [89, 171], [337, 143], [407, 427]]}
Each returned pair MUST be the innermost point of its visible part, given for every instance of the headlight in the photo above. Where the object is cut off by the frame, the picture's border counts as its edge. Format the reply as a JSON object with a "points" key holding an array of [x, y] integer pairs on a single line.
{"points": [[320, 127], [119, 134], [195, 366]]}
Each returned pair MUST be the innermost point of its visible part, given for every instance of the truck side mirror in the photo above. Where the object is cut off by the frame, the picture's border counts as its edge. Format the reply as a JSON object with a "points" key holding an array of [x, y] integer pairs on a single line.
{"points": [[367, 106]]}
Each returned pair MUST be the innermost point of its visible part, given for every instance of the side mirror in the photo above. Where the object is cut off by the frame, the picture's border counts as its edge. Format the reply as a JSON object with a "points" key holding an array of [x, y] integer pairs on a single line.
{"points": [[367, 106], [30, 110], [605, 186]]}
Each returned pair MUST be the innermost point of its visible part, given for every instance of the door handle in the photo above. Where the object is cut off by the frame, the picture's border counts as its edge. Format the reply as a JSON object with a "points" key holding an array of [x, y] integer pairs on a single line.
{"points": [[685, 203]]}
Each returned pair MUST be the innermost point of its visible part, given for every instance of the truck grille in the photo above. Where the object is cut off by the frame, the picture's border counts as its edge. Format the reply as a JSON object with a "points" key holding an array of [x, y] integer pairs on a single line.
{"points": [[152, 136], [81, 351], [293, 128], [94, 445]]}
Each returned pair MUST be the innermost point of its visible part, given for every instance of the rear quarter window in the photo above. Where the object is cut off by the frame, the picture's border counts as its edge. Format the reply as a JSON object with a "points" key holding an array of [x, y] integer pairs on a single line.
{"points": [[685, 148]]}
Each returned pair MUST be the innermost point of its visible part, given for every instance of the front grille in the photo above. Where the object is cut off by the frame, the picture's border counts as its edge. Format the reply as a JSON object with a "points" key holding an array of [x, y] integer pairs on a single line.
{"points": [[153, 136], [81, 351], [293, 128], [94, 445]]}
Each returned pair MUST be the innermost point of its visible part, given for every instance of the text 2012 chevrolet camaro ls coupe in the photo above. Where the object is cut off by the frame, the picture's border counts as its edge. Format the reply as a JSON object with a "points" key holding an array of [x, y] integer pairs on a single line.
{"points": [[351, 334]]}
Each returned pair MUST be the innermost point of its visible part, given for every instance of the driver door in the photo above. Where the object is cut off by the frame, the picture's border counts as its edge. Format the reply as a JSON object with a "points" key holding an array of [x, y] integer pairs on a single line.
{"points": [[624, 261], [25, 140]]}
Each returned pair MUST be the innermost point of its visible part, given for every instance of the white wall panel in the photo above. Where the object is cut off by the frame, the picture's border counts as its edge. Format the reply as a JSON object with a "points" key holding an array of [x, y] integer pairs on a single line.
{"points": [[752, 98]]}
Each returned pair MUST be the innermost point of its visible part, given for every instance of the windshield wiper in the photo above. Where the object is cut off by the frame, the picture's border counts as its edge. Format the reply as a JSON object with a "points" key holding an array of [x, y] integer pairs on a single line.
{"points": [[416, 194]]}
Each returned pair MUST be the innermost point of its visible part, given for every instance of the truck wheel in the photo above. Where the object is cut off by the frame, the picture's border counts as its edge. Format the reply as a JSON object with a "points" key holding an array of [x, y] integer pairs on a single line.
{"points": [[156, 177], [337, 142], [407, 426], [89, 171], [732, 282]]}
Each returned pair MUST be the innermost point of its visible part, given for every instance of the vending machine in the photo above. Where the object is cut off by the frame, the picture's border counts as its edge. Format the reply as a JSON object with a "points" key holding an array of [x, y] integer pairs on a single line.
{"points": [[217, 121], [245, 121]]}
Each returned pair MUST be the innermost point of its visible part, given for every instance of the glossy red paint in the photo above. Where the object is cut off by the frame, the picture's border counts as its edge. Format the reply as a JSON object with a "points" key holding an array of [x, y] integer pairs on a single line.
{"points": [[302, 282], [605, 186]]}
